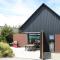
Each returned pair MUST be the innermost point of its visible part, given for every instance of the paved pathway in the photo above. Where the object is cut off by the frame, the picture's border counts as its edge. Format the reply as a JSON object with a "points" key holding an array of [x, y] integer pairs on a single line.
{"points": [[17, 59], [21, 53]]}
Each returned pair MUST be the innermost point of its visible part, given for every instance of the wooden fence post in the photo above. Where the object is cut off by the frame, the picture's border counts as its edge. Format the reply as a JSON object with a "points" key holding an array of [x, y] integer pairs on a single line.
{"points": [[41, 46]]}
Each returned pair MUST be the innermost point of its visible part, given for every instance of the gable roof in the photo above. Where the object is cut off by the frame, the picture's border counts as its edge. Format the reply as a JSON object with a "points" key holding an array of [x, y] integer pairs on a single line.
{"points": [[42, 7]]}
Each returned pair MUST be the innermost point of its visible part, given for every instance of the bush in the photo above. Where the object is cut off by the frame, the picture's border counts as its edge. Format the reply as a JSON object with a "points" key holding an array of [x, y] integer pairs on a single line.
{"points": [[5, 50]]}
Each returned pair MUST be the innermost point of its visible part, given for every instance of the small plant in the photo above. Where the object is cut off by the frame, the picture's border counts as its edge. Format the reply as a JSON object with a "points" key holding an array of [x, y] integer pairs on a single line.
{"points": [[5, 50]]}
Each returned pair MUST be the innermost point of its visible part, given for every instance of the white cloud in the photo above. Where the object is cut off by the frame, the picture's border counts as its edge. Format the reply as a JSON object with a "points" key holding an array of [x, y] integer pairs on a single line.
{"points": [[16, 12], [54, 5], [15, 15], [11, 20], [53, 1]]}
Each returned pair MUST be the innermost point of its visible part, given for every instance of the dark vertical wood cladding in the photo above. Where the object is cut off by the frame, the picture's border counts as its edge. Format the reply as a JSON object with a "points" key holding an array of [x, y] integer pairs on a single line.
{"points": [[45, 20]]}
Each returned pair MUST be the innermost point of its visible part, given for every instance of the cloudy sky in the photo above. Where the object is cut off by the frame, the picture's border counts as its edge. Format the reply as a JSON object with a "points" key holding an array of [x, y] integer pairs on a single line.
{"points": [[16, 12]]}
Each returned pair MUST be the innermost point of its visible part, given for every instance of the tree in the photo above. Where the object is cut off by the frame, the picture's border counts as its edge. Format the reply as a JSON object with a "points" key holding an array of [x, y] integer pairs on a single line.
{"points": [[7, 32]]}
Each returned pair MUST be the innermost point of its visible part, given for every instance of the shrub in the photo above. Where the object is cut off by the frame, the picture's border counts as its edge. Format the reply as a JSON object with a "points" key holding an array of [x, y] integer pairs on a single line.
{"points": [[5, 50]]}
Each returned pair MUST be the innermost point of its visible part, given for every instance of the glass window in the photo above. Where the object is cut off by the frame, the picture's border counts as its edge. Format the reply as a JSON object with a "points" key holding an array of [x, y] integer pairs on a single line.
{"points": [[51, 37], [33, 37]]}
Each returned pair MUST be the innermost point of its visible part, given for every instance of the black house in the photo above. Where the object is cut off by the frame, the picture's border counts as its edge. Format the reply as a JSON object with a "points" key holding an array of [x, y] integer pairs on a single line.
{"points": [[43, 19]]}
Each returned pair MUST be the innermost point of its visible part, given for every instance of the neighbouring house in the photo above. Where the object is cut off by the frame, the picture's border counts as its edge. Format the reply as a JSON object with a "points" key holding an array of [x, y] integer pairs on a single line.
{"points": [[46, 20]]}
